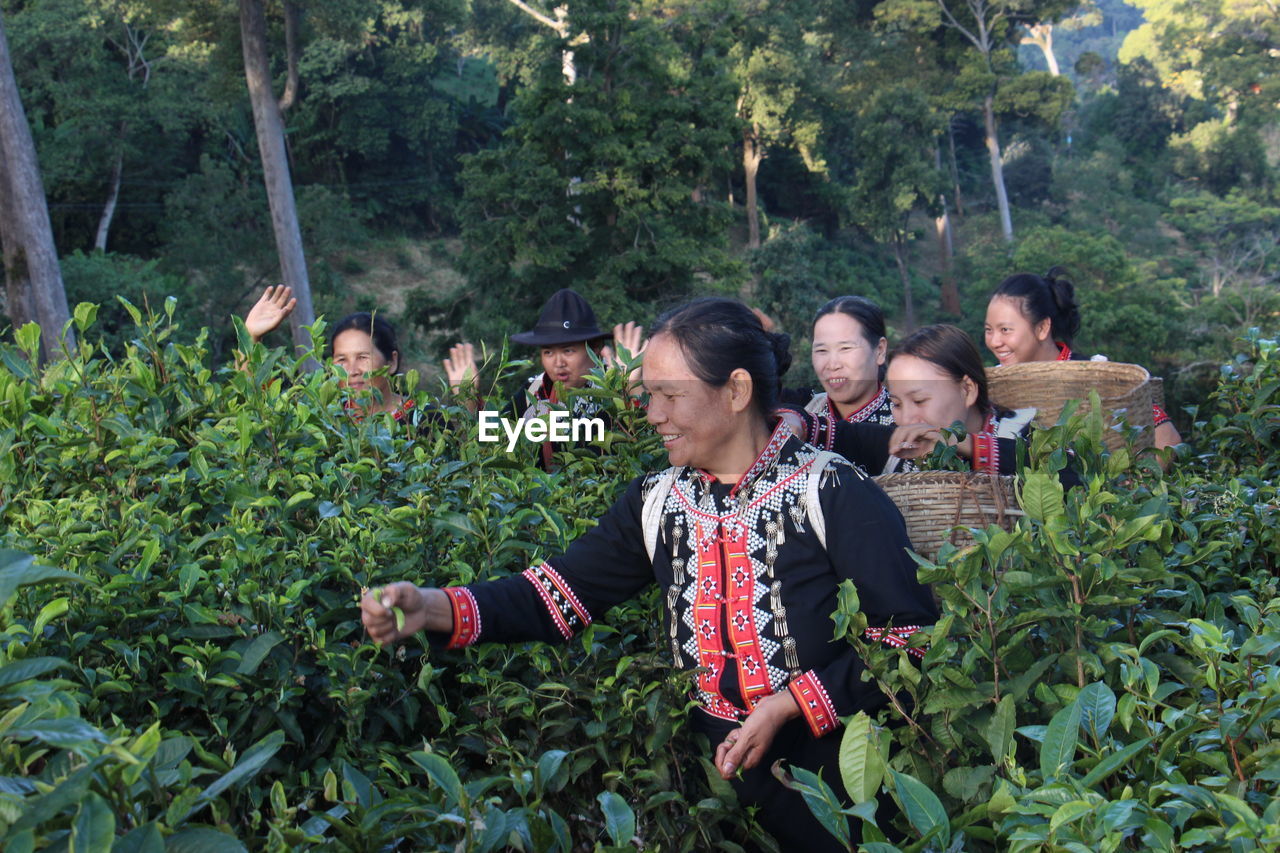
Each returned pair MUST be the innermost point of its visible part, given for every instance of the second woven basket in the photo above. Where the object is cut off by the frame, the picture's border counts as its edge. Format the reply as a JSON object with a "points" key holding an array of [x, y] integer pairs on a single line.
{"points": [[940, 506], [1047, 386]]}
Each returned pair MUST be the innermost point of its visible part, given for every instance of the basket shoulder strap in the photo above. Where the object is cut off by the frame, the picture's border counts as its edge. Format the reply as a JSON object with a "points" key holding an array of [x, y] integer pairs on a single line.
{"points": [[651, 511], [813, 507]]}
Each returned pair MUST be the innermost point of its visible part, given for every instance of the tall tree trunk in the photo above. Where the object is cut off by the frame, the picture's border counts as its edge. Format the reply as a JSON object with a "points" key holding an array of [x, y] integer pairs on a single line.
{"points": [[291, 52], [949, 291], [752, 153], [34, 290], [946, 247], [113, 196], [955, 167], [997, 167], [1041, 35], [275, 167], [908, 300]]}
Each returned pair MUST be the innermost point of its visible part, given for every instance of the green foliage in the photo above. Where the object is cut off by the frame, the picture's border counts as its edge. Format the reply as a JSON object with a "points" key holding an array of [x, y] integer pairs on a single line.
{"points": [[1105, 675], [611, 207], [207, 681]]}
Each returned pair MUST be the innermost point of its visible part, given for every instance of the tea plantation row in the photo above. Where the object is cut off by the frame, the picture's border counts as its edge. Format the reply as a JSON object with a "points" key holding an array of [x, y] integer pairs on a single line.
{"points": [[182, 665]]}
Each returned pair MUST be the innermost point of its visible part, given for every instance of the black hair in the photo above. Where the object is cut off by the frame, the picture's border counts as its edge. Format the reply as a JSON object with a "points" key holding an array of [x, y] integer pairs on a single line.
{"points": [[868, 314], [376, 327], [718, 336], [951, 350], [1050, 296]]}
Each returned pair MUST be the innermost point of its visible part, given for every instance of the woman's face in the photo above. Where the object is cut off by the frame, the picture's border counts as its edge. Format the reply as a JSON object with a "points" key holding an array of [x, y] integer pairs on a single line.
{"points": [[847, 365], [354, 352], [695, 419], [923, 393], [1010, 335], [567, 364]]}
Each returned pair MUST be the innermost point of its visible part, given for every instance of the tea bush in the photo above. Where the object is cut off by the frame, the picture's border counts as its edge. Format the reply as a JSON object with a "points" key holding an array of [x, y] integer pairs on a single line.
{"points": [[182, 665], [1106, 676], [221, 528]]}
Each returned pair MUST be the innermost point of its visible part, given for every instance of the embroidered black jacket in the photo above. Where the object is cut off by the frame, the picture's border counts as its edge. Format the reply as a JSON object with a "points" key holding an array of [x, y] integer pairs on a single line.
{"points": [[750, 590]]}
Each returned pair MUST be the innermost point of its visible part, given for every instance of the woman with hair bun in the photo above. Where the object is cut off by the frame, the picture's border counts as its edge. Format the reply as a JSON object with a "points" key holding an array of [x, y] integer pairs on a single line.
{"points": [[1035, 318], [749, 534]]}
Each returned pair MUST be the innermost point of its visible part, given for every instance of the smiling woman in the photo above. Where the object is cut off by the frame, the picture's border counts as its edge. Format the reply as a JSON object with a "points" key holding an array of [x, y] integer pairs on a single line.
{"points": [[1035, 318], [849, 346], [731, 533]]}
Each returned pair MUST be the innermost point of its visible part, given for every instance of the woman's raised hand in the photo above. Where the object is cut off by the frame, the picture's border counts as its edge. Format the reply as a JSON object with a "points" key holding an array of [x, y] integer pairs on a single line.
{"points": [[461, 367], [630, 336], [271, 309]]}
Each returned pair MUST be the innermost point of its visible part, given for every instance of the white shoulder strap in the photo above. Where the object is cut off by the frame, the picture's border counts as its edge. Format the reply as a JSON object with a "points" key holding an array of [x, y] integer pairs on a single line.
{"points": [[1012, 426], [817, 404], [813, 507], [651, 512]]}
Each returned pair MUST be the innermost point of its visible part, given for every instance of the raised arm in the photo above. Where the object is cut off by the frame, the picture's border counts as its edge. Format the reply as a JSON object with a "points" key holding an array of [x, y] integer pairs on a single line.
{"points": [[272, 308], [461, 370]]}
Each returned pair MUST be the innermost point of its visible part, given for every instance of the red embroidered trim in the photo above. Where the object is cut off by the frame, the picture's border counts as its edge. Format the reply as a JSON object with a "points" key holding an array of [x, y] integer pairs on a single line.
{"points": [[723, 614], [897, 638], [768, 456], [814, 703], [558, 597], [1064, 352], [1159, 415], [866, 411], [356, 413], [718, 707], [466, 617], [986, 448]]}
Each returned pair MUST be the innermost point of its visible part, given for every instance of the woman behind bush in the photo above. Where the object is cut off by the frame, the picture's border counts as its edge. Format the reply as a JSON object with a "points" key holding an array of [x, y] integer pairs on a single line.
{"points": [[362, 344]]}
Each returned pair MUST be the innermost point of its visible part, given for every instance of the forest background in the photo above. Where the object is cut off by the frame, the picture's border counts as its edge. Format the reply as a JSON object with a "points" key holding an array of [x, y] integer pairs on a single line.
{"points": [[455, 162]]}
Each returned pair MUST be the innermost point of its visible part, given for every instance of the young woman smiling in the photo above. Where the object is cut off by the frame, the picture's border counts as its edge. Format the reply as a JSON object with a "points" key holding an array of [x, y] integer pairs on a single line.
{"points": [[728, 533], [1035, 318]]}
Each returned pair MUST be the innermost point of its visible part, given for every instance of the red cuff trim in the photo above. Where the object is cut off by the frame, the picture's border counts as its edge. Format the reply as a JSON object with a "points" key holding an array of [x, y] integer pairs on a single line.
{"points": [[1159, 415], [558, 597], [814, 703], [897, 638], [986, 453], [466, 617]]}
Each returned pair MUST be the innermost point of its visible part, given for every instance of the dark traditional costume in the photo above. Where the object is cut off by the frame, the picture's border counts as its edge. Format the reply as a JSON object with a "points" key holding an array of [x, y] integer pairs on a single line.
{"points": [[750, 590], [567, 318]]}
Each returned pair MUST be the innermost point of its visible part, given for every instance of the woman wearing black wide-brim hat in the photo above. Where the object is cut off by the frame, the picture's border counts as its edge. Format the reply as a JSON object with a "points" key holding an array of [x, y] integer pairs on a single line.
{"points": [[566, 334]]}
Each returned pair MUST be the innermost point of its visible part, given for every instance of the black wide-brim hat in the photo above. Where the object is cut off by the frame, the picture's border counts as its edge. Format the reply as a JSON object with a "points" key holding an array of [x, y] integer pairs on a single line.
{"points": [[565, 319]]}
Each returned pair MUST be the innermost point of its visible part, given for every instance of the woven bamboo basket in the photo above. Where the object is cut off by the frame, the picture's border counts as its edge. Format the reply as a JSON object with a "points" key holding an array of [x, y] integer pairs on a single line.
{"points": [[941, 506], [1047, 386]]}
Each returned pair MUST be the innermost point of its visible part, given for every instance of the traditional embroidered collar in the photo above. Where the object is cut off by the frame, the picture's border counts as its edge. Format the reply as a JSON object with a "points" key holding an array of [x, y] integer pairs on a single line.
{"points": [[767, 459], [1064, 352], [867, 410]]}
